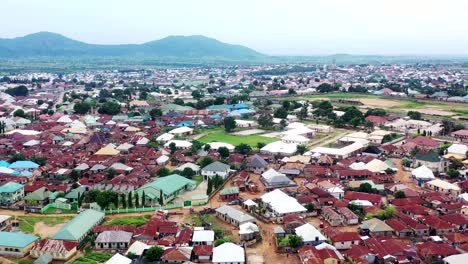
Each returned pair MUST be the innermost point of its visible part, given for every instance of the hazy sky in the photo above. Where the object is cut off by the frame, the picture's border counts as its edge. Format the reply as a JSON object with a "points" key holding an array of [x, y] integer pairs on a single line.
{"points": [[289, 27]]}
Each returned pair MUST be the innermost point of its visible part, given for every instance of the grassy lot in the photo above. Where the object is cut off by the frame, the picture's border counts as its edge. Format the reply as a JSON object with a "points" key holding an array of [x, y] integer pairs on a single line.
{"points": [[59, 211], [26, 223], [251, 140], [340, 96], [92, 258], [218, 226], [405, 104], [198, 179], [136, 221]]}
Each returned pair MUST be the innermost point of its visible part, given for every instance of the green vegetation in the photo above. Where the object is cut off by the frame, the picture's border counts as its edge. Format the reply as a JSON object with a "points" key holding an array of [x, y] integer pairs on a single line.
{"points": [[92, 258], [198, 179], [135, 221], [53, 210], [26, 223], [251, 140]]}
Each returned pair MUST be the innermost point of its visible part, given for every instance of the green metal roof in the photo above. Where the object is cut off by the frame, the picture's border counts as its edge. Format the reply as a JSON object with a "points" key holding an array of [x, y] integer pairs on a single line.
{"points": [[230, 190], [17, 240], [430, 156], [168, 184], [79, 226], [38, 195], [10, 187]]}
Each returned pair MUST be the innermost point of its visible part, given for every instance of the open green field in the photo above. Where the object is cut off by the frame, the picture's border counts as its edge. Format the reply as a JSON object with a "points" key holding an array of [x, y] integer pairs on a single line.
{"points": [[132, 220], [26, 223], [395, 104], [251, 140], [92, 258]]}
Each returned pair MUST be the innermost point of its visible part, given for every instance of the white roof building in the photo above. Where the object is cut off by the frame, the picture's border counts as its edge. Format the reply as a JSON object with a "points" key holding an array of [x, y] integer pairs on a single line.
{"points": [[456, 259], [282, 203], [203, 236], [165, 137], [376, 165], [137, 248], [457, 149], [308, 233], [181, 130], [228, 253], [179, 144], [279, 148], [119, 259], [217, 145], [295, 139], [423, 173]]}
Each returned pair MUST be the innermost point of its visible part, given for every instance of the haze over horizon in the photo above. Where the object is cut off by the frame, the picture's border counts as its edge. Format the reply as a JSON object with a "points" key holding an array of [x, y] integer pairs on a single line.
{"points": [[273, 27]]}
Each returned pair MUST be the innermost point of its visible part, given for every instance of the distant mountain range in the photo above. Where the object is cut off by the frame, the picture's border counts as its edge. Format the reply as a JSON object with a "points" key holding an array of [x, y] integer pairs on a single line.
{"points": [[55, 45], [54, 52]]}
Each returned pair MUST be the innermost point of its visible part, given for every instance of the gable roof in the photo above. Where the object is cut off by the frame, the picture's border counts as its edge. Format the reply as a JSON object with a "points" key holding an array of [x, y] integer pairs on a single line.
{"points": [[168, 184], [216, 166], [79, 225], [17, 240]]}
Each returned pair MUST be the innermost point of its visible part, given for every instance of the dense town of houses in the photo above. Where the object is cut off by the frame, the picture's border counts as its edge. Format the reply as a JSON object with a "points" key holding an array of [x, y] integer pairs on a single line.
{"points": [[392, 192]]}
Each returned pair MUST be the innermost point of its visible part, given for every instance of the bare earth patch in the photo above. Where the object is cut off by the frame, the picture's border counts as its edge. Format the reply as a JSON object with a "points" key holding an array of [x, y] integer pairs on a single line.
{"points": [[381, 103], [432, 111], [46, 231]]}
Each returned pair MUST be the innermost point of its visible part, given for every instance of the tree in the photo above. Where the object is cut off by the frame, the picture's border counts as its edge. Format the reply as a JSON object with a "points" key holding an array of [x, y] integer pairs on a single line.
{"points": [[143, 198], [229, 124], [155, 113], [123, 200], [280, 112], [163, 172], [295, 241], [172, 147], [414, 115], [207, 147], [161, 198], [265, 121], [81, 108], [109, 108], [129, 200], [260, 145], [243, 148], [310, 207], [154, 253], [74, 175], [179, 101], [197, 94], [17, 91], [223, 152], [326, 88], [453, 173], [209, 189], [205, 161], [188, 173], [110, 173], [365, 187], [399, 195], [137, 200], [301, 149], [376, 112], [20, 113], [386, 213]]}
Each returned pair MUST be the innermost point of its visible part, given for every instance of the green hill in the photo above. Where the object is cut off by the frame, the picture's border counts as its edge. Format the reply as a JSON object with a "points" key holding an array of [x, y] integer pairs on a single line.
{"points": [[55, 45]]}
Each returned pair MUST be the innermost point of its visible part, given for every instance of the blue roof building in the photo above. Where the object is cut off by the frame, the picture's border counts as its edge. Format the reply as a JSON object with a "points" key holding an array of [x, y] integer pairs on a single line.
{"points": [[23, 165], [16, 244], [11, 192], [4, 163]]}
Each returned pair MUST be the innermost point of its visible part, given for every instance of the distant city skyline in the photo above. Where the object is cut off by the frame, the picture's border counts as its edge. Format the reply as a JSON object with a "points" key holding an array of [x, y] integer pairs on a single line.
{"points": [[296, 27]]}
